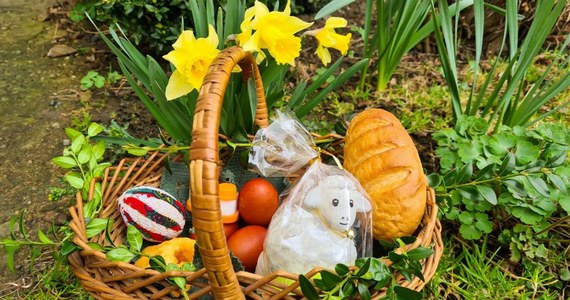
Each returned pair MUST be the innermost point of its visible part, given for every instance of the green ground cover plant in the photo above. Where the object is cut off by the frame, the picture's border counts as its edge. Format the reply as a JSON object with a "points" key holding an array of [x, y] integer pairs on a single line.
{"points": [[508, 182]]}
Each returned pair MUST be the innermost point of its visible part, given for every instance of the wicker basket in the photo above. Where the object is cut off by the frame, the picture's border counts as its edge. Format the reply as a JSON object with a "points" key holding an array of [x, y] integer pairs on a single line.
{"points": [[104, 279]]}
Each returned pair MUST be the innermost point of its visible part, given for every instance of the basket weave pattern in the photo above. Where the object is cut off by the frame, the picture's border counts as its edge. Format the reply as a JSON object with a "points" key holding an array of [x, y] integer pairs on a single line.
{"points": [[104, 279]]}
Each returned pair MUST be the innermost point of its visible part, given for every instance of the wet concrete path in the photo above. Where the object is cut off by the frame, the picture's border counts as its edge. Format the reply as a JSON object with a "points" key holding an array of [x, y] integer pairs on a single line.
{"points": [[33, 114]]}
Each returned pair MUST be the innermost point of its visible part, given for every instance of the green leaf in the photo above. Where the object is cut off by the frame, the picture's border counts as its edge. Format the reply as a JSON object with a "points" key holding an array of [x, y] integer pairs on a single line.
{"points": [[94, 129], [84, 155], [303, 110], [470, 193], [77, 143], [341, 269], [546, 205], [158, 263], [96, 226], [488, 193], [539, 185], [308, 289], [134, 238], [483, 223], [558, 160], [67, 248], [379, 271], [363, 268], [419, 253], [44, 238], [332, 7], [72, 133], [364, 292], [448, 158], [120, 254], [515, 186], [403, 293], [565, 274], [508, 164], [466, 218], [434, 180], [527, 215], [464, 173], [95, 246], [564, 202], [74, 180], [541, 251], [65, 162], [179, 281], [470, 232], [486, 172], [501, 143], [349, 290], [468, 151], [330, 280], [10, 246], [137, 151], [526, 152]]}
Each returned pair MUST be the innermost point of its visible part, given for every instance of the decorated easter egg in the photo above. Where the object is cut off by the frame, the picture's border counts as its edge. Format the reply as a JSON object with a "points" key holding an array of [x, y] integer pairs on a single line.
{"points": [[155, 213]]}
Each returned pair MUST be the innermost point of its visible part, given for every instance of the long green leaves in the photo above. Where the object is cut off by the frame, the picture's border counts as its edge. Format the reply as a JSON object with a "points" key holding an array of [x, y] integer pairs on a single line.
{"points": [[397, 22], [400, 26], [512, 100], [304, 109]]}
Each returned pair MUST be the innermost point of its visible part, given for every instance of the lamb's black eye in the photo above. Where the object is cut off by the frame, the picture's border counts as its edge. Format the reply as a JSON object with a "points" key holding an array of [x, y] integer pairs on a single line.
{"points": [[335, 202], [351, 203]]}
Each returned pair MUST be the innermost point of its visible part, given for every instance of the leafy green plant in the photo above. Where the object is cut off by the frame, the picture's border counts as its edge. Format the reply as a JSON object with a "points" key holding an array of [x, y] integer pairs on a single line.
{"points": [[51, 279], [370, 274], [19, 238], [83, 159], [153, 23], [238, 110], [510, 100], [94, 80], [514, 181]]}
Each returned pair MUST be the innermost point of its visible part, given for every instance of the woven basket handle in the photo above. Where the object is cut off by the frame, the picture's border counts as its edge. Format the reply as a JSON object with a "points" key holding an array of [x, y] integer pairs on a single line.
{"points": [[204, 166]]}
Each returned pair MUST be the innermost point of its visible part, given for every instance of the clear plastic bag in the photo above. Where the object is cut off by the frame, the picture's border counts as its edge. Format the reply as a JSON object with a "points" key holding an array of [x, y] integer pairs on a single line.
{"points": [[283, 148], [325, 219]]}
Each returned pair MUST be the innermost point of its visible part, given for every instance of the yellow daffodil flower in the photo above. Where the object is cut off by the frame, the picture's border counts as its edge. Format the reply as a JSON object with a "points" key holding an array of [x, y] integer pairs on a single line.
{"points": [[328, 38], [191, 57], [274, 31]]}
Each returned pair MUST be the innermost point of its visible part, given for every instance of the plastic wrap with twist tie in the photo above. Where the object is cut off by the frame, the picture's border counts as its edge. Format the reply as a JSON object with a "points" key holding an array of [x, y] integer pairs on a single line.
{"points": [[324, 218]]}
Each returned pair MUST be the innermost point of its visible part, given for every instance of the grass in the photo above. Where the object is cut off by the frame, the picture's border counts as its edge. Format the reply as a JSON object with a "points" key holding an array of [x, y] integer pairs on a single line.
{"points": [[473, 271]]}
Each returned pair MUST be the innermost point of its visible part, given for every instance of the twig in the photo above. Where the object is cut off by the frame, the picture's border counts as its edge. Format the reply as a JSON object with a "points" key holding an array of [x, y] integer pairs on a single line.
{"points": [[553, 225], [55, 31]]}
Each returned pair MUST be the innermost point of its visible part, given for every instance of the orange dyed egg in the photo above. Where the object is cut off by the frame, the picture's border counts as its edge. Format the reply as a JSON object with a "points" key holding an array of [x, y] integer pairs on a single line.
{"points": [[257, 202], [230, 228], [247, 244]]}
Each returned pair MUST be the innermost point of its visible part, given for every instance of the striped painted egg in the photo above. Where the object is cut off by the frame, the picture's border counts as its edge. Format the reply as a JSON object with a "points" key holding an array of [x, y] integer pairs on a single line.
{"points": [[155, 213]]}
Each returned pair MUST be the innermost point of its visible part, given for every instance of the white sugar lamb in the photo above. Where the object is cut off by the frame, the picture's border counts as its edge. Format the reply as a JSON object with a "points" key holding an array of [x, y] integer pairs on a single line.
{"points": [[317, 231]]}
